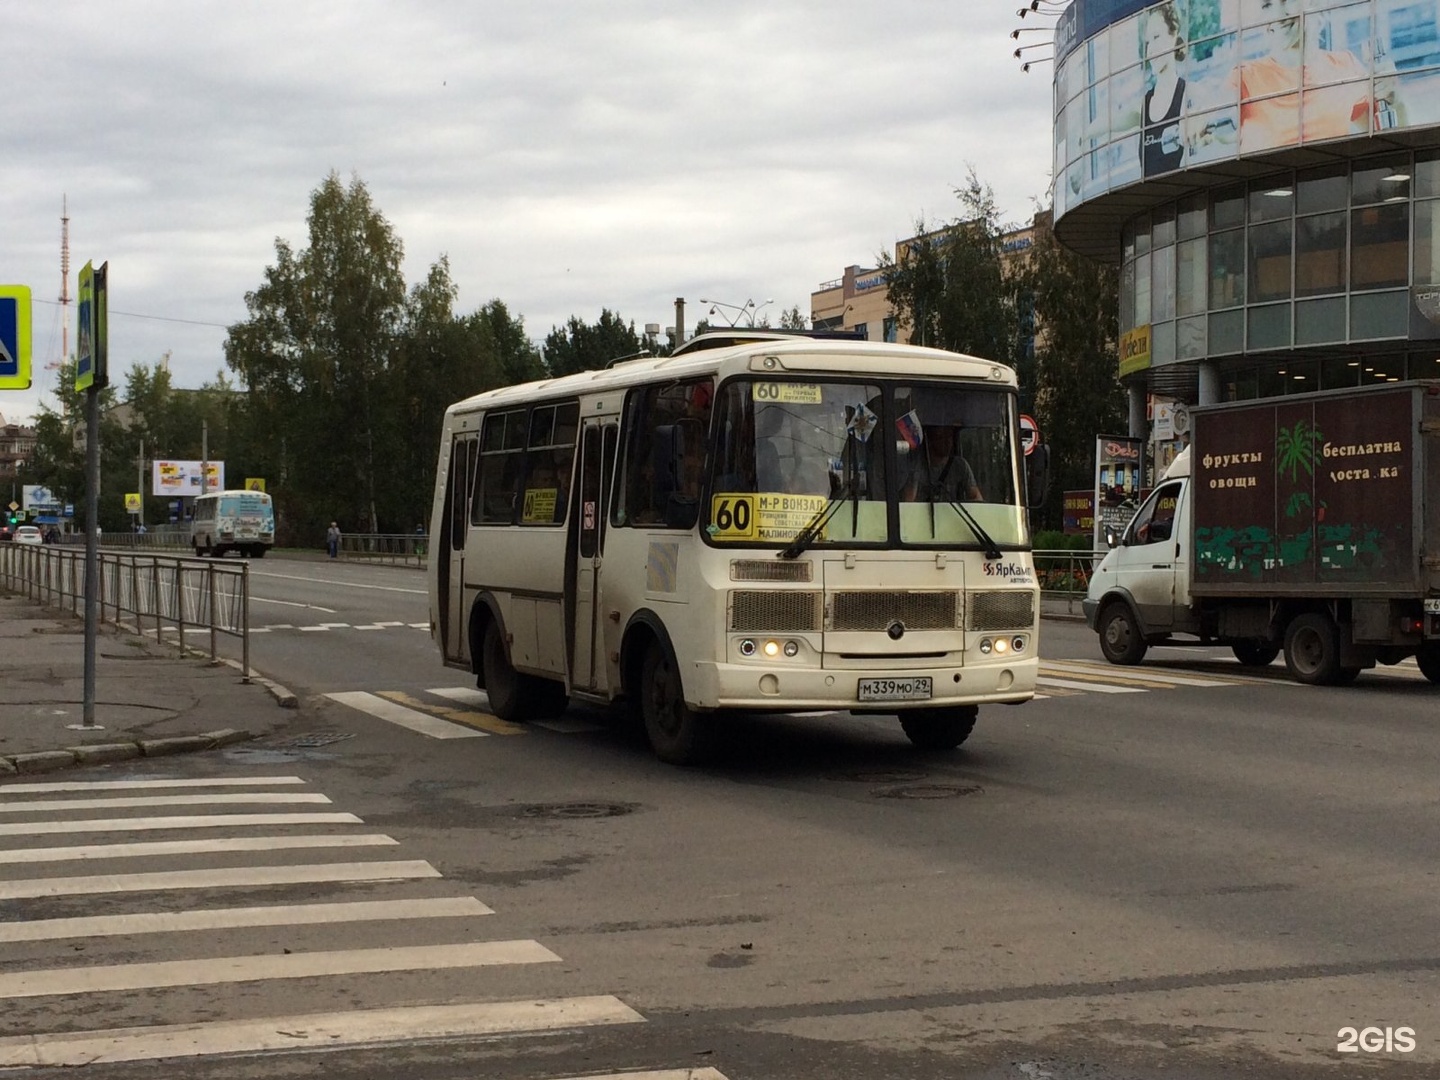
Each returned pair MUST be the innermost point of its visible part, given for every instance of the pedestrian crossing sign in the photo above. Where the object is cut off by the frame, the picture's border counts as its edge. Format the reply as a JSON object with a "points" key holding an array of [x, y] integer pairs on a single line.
{"points": [[14, 337]]}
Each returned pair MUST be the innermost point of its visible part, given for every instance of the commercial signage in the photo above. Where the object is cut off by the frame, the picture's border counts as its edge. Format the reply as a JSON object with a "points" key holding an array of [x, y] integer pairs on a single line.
{"points": [[39, 500], [1135, 350], [1079, 513], [183, 477], [1145, 90], [1119, 460]]}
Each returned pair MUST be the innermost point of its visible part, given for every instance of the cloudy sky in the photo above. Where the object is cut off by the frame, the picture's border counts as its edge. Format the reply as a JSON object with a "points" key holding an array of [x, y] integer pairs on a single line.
{"points": [[565, 156]]}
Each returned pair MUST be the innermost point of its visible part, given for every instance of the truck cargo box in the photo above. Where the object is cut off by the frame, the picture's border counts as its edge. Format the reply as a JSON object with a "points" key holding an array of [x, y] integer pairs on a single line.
{"points": [[1329, 494]]}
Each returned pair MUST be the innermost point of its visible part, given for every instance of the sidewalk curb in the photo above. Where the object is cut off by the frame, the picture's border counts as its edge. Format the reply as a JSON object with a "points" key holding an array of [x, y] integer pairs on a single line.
{"points": [[40, 761]]}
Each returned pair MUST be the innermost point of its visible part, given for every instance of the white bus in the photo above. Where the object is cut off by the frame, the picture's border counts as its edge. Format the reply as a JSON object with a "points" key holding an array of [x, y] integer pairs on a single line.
{"points": [[760, 522], [242, 521]]}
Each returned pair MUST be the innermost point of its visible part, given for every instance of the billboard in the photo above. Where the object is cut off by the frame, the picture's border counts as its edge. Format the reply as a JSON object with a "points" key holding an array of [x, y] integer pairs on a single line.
{"points": [[173, 478], [1183, 83]]}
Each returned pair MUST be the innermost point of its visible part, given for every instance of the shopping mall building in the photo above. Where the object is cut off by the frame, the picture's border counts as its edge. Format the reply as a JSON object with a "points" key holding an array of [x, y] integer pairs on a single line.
{"points": [[1266, 174]]}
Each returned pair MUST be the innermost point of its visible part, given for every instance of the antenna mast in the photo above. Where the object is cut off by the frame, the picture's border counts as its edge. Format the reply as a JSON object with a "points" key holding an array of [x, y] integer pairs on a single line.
{"points": [[64, 283]]}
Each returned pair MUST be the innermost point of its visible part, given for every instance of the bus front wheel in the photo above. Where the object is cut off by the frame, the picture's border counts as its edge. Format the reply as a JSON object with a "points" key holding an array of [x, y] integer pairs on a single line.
{"points": [[678, 734], [939, 729], [513, 696]]}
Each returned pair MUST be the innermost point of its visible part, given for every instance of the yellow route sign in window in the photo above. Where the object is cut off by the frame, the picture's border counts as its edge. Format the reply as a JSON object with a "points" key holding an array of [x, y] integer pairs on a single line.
{"points": [[763, 516]]}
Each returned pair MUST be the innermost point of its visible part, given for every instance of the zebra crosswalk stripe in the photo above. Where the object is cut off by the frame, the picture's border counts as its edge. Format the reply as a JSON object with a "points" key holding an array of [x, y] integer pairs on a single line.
{"points": [[151, 849], [404, 716], [222, 878], [329, 1031], [183, 821]]}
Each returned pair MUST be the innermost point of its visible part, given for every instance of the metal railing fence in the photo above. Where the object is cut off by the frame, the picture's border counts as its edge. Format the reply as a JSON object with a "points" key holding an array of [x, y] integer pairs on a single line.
{"points": [[1064, 574], [157, 594], [405, 549]]}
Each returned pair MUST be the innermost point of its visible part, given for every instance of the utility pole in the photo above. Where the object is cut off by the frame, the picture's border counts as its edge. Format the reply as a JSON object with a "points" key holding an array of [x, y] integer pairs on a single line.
{"points": [[140, 483], [204, 455]]}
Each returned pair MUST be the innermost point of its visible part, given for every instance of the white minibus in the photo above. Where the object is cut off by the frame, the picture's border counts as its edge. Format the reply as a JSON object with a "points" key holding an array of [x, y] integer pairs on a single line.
{"points": [[242, 521], [760, 522]]}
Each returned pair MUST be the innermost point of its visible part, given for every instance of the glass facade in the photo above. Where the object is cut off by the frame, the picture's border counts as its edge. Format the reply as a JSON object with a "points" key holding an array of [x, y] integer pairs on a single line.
{"points": [[1306, 267]]}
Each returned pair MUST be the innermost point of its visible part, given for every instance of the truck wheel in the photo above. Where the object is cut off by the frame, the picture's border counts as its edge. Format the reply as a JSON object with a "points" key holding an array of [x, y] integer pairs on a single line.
{"points": [[513, 696], [1312, 650], [1429, 660], [1255, 653], [678, 734], [1120, 638], [939, 729]]}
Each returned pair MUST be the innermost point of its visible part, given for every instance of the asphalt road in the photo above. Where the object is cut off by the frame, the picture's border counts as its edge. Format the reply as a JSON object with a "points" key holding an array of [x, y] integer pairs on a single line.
{"points": [[1187, 869]]}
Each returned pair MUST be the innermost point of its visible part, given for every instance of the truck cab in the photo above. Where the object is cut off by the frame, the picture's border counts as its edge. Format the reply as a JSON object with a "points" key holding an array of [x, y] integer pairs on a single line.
{"points": [[1141, 589]]}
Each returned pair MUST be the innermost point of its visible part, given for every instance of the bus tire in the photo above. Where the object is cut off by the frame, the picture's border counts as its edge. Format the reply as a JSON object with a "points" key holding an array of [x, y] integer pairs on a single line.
{"points": [[258, 551], [1312, 650], [939, 729], [504, 686], [678, 734]]}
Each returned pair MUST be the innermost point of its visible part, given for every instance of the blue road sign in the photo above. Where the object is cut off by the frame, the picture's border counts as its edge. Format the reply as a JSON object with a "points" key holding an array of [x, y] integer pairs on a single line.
{"points": [[14, 337]]}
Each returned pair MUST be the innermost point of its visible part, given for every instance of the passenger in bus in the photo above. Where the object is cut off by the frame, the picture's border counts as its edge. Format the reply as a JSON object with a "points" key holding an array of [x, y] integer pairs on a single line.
{"points": [[938, 470]]}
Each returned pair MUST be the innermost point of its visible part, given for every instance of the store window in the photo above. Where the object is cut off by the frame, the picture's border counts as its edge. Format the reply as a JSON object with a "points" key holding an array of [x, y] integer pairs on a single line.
{"points": [[1320, 262], [1427, 242], [1227, 208], [1379, 315], [1270, 261], [1320, 322], [1379, 243], [1322, 189], [1269, 327], [1227, 269], [1383, 181], [1190, 277]]}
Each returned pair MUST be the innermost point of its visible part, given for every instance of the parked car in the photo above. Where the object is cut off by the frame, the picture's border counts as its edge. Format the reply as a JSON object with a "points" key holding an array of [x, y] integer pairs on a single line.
{"points": [[28, 534]]}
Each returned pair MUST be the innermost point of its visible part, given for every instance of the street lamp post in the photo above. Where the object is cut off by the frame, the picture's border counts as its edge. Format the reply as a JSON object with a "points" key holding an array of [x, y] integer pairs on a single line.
{"points": [[746, 311]]}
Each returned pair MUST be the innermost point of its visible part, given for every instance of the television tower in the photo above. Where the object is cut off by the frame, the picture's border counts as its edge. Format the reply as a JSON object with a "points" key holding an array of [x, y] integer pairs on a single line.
{"points": [[64, 284]]}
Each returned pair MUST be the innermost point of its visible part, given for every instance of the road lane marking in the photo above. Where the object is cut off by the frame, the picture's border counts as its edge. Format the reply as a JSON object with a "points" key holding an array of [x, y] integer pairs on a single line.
{"points": [[292, 603], [190, 821], [20, 806], [224, 878], [166, 922], [1119, 679], [398, 714], [1081, 669], [564, 725], [470, 718], [1100, 688], [217, 970], [344, 584], [328, 1031], [126, 785], [94, 852]]}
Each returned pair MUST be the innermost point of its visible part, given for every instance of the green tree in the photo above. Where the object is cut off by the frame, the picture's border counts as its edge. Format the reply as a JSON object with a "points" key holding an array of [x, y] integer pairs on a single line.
{"points": [[315, 358], [794, 319], [580, 346], [1077, 394], [949, 285]]}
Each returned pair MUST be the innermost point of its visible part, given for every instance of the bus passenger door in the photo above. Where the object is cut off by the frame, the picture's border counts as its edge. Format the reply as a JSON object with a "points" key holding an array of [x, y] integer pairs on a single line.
{"points": [[598, 440], [460, 482]]}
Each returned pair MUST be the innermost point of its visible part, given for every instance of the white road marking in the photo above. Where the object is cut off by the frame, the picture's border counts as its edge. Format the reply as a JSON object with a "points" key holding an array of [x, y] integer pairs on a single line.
{"points": [[125, 785], [1138, 671], [216, 970], [223, 878], [164, 922], [463, 694], [467, 696], [20, 806], [92, 852], [346, 584], [197, 821], [1099, 688], [292, 603], [412, 719], [327, 1031]]}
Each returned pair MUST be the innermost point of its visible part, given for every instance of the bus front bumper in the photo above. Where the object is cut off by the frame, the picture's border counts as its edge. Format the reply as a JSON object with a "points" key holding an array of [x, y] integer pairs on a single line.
{"points": [[778, 688]]}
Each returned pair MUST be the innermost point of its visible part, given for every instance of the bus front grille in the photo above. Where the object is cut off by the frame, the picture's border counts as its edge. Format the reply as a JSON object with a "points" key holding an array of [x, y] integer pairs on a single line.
{"points": [[878, 610], [1008, 610], [774, 611]]}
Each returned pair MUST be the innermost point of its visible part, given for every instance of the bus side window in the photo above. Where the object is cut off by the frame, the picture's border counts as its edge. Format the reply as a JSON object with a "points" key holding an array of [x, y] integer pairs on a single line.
{"points": [[665, 435], [502, 452]]}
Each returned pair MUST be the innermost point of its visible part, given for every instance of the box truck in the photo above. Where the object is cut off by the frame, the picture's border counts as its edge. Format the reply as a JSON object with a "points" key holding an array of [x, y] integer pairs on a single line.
{"points": [[1308, 523]]}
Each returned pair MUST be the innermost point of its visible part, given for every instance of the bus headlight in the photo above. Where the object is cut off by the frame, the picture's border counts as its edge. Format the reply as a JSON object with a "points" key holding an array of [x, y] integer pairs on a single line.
{"points": [[1018, 644], [792, 648], [772, 648], [747, 647], [985, 646]]}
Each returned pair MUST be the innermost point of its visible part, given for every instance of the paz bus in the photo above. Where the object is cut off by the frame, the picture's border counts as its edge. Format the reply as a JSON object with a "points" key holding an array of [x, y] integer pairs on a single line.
{"points": [[742, 526], [242, 521]]}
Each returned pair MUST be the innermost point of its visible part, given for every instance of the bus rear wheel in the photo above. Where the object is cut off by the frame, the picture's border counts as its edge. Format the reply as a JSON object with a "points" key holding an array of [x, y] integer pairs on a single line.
{"points": [[678, 734], [513, 696], [939, 729]]}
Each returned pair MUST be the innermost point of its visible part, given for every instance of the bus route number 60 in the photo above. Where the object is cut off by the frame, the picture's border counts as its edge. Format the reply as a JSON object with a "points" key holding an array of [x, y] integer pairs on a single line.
{"points": [[733, 516]]}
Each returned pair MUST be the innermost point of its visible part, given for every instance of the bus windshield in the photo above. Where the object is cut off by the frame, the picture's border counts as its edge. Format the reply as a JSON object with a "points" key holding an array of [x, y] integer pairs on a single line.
{"points": [[933, 460]]}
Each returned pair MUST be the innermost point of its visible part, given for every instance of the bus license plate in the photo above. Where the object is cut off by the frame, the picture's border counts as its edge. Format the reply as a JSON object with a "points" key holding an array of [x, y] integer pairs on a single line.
{"points": [[1433, 605], [915, 689]]}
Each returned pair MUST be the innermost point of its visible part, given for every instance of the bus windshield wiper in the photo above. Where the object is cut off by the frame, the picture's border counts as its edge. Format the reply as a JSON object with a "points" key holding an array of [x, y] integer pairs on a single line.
{"points": [[811, 532], [992, 550]]}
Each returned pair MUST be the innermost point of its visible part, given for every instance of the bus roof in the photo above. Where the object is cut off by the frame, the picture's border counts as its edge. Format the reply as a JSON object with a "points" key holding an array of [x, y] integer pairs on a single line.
{"points": [[792, 355]]}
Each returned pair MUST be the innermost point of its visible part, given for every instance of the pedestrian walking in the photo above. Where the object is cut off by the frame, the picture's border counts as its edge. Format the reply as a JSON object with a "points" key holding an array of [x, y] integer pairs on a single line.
{"points": [[332, 540]]}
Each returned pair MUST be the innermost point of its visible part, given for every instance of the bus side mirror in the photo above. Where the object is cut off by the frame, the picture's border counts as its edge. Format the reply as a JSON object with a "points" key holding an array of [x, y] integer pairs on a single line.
{"points": [[1037, 475]]}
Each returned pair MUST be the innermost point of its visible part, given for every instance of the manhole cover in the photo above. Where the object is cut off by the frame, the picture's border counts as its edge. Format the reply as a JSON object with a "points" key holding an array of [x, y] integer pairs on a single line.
{"points": [[928, 791], [577, 810], [881, 776], [317, 738]]}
